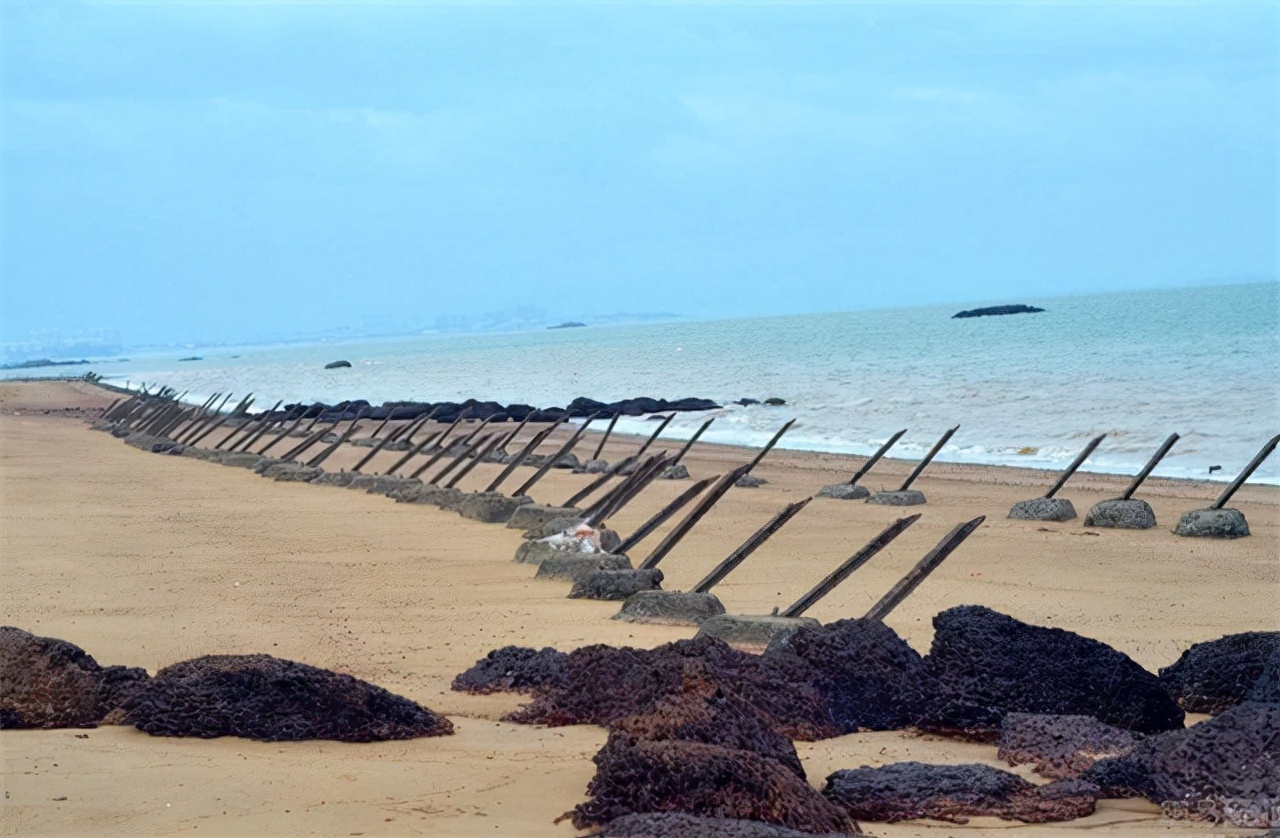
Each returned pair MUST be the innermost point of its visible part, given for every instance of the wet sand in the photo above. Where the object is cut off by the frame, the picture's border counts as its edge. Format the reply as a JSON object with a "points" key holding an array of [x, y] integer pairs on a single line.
{"points": [[146, 560]]}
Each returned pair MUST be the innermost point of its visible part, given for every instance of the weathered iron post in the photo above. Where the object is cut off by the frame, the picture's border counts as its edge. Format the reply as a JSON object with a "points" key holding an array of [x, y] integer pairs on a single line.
{"points": [[627, 492], [666, 512], [498, 440], [849, 489], [1125, 512], [905, 495], [752, 482], [1049, 508], [522, 455], [315, 461], [758, 630], [931, 561], [554, 458], [695, 515], [698, 604], [1219, 521], [444, 446], [670, 472], [386, 440], [607, 431], [599, 481]]}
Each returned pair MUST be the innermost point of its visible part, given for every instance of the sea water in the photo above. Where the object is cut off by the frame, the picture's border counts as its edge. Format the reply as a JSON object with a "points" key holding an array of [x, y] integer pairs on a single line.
{"points": [[1026, 389]]}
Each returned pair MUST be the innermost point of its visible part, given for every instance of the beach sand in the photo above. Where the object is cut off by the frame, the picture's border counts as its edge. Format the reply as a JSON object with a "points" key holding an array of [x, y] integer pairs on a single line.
{"points": [[146, 560]]}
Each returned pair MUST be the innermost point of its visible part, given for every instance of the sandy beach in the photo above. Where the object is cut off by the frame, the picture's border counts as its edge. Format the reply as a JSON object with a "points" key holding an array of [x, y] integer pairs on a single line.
{"points": [[147, 560]]}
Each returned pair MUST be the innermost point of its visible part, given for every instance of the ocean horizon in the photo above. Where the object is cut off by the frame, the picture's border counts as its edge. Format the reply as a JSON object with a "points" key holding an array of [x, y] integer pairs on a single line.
{"points": [[1026, 389]]}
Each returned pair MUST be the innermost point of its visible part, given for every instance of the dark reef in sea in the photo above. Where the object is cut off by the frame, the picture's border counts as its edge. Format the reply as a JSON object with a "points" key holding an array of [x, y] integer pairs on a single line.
{"points": [[992, 310]]}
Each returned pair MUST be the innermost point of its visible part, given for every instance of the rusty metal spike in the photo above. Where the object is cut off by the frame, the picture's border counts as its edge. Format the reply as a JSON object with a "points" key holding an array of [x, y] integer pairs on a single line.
{"points": [[666, 512], [923, 568], [875, 458], [551, 461], [1075, 464], [849, 565], [1151, 464], [1248, 471], [703, 507], [928, 458], [749, 546]]}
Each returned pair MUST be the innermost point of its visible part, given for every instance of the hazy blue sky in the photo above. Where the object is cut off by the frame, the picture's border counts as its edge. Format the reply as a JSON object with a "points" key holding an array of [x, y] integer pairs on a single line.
{"points": [[189, 171]]}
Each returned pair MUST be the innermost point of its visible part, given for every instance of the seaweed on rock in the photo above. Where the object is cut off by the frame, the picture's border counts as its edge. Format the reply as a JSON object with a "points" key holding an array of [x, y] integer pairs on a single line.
{"points": [[271, 699], [48, 683]]}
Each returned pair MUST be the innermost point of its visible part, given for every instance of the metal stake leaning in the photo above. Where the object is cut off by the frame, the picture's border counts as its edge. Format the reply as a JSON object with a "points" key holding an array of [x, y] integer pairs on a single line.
{"points": [[337, 443], [875, 458], [1248, 470], [928, 458], [522, 454], [615, 503], [1151, 464], [498, 440], [685, 450], [1075, 464], [748, 547], [600, 481], [702, 508], [666, 512], [923, 568], [851, 564], [551, 461], [605, 438]]}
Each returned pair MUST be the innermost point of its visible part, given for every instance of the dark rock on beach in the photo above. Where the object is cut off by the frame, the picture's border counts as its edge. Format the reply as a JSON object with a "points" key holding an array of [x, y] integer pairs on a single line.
{"points": [[910, 790], [50, 683], [1224, 769], [996, 310], [874, 674], [514, 669], [704, 712], [1216, 675], [983, 665], [680, 825], [706, 780], [1061, 747], [271, 699]]}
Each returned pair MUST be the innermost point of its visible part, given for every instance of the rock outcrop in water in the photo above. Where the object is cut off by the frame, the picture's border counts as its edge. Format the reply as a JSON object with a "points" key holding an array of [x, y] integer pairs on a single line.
{"points": [[50, 683], [274, 700], [996, 310]]}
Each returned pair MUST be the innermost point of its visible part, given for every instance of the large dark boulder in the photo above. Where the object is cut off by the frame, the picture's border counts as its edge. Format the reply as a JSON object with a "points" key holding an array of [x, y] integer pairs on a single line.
{"points": [[48, 683], [1224, 769], [271, 699], [996, 310], [337, 365], [706, 780], [910, 790], [875, 675], [1219, 674], [983, 665]]}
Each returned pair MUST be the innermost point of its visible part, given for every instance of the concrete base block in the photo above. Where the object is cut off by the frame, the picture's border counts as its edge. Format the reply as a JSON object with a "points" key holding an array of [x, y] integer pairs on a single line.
{"points": [[537, 552], [554, 527], [536, 514], [573, 566], [676, 472], [490, 507], [1212, 523], [292, 473], [335, 478], [405, 488], [749, 630], [844, 491], [438, 496], [910, 497], [1043, 509], [671, 608], [240, 459], [1121, 514], [750, 481], [615, 585]]}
